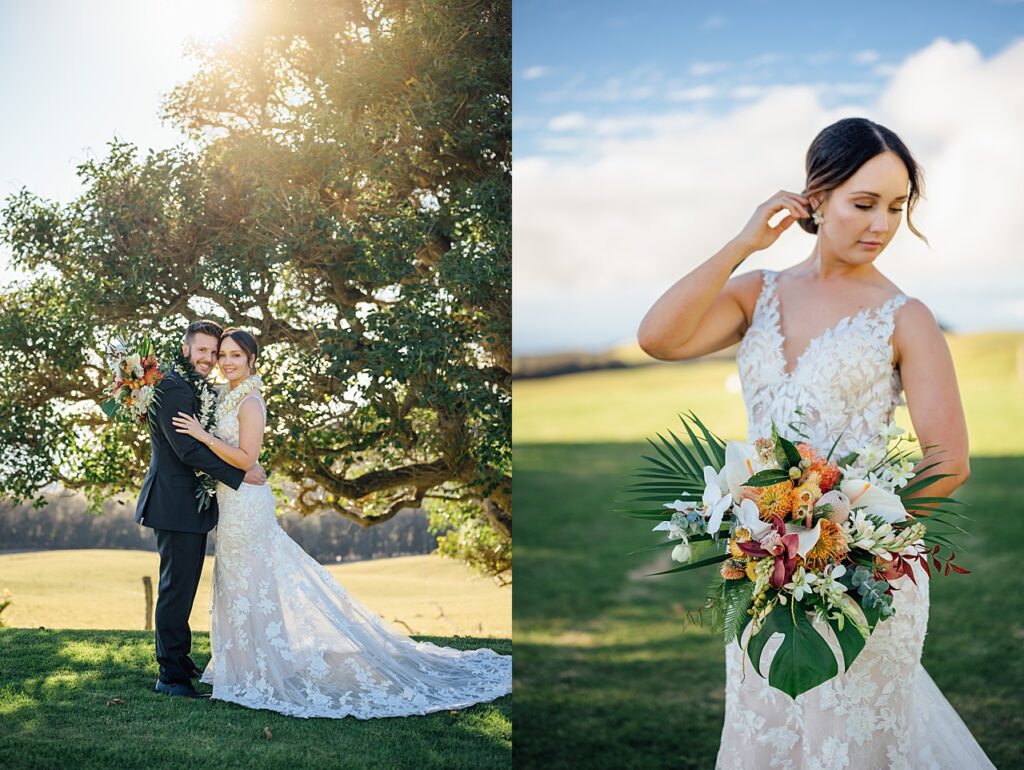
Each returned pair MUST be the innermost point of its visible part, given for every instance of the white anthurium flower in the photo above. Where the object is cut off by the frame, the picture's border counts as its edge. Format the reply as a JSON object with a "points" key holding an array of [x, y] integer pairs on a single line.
{"points": [[715, 499], [875, 500], [741, 462], [747, 516], [807, 538]]}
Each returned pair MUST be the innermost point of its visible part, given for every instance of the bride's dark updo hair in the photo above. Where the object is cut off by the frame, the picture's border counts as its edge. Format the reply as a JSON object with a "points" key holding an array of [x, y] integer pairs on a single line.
{"points": [[840, 149], [246, 342]]}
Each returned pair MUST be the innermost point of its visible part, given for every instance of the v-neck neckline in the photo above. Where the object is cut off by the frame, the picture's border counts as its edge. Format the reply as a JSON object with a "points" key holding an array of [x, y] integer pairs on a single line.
{"points": [[787, 371]]}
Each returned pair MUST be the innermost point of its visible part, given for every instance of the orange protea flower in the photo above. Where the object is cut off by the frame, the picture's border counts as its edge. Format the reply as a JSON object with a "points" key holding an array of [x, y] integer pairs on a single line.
{"points": [[831, 546], [776, 500], [733, 570], [741, 535]]}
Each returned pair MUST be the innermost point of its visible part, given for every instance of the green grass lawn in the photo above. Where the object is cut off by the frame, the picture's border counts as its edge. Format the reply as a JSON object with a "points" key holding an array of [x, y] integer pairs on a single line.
{"points": [[609, 675], [84, 699], [608, 672]]}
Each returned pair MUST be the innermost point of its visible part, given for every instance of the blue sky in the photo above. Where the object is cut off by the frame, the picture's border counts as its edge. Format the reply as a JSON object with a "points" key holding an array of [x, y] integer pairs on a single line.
{"points": [[77, 74], [604, 57], [644, 131]]}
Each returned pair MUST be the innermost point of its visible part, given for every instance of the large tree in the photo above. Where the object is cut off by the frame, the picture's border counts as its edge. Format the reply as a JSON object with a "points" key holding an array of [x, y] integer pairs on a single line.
{"points": [[347, 198]]}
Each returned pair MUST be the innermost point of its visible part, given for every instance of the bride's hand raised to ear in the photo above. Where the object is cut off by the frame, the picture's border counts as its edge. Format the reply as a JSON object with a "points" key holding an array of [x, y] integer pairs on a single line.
{"points": [[758, 234]]}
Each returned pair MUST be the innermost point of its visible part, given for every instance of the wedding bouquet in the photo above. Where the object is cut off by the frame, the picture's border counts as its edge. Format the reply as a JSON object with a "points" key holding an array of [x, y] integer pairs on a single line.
{"points": [[804, 542], [136, 374], [133, 393]]}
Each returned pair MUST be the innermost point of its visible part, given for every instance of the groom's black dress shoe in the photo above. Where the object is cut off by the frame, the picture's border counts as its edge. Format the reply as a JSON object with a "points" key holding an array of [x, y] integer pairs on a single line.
{"points": [[182, 689]]}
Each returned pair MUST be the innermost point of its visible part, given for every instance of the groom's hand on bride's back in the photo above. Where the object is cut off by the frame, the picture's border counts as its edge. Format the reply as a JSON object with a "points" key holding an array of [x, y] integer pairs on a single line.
{"points": [[255, 475]]}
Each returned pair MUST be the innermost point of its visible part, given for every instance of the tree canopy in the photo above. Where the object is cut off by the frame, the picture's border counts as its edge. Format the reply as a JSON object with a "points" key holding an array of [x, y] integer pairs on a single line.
{"points": [[347, 198]]}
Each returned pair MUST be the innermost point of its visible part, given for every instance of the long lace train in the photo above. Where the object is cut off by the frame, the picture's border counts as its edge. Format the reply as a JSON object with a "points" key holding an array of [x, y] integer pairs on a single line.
{"points": [[286, 636]]}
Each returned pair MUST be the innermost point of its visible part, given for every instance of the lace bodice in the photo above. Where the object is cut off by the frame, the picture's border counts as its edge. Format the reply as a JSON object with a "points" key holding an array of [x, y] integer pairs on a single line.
{"points": [[885, 712], [844, 383], [227, 420]]}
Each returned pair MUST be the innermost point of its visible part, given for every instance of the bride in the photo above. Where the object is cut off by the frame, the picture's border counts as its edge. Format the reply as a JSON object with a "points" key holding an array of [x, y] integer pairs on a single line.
{"points": [[284, 635], [830, 343]]}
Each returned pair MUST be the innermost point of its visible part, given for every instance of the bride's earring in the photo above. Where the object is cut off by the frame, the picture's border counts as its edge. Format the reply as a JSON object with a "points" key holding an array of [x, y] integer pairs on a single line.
{"points": [[817, 218]]}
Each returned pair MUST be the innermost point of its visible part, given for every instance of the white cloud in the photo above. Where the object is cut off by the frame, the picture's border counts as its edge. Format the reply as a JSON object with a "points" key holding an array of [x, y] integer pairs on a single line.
{"points": [[764, 59], [747, 92], [695, 94], [703, 68], [569, 121], [639, 212], [713, 22], [535, 72], [868, 56]]}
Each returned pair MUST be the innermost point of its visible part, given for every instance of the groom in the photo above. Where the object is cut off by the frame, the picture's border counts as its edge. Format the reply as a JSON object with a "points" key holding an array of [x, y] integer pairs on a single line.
{"points": [[168, 505]]}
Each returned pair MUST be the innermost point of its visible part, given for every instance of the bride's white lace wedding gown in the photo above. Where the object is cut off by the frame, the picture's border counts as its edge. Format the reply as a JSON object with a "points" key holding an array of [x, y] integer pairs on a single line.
{"points": [[886, 712], [286, 636]]}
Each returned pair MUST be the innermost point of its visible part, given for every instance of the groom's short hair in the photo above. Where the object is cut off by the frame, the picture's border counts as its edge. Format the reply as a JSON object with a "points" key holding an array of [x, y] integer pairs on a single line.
{"points": [[203, 326]]}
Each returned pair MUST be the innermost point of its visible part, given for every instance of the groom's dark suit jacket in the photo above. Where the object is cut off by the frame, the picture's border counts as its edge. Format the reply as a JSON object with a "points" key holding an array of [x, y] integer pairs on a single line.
{"points": [[168, 498]]}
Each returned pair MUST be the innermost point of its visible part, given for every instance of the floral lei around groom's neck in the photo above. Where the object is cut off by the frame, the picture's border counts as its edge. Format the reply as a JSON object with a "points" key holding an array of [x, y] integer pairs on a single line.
{"points": [[203, 389]]}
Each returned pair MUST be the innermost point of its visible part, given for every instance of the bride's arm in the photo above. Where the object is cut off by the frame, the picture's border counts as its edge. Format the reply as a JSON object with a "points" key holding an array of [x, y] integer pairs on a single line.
{"points": [[702, 311], [250, 435], [933, 398]]}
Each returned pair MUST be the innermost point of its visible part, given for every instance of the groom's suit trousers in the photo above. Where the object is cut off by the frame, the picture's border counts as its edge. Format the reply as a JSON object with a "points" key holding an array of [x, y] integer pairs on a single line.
{"points": [[181, 564]]}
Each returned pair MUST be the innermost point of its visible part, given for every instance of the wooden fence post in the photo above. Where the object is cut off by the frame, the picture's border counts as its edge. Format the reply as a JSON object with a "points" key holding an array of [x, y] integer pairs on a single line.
{"points": [[147, 585]]}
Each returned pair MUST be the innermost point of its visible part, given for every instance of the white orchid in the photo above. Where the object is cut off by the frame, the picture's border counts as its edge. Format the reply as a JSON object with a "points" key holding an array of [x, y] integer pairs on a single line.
{"points": [[902, 473], [680, 506], [877, 501], [871, 455], [801, 584], [716, 500], [676, 531], [828, 584], [889, 432]]}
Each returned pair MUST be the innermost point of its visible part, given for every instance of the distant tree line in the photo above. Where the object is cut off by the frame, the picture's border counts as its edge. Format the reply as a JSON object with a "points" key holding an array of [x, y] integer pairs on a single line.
{"points": [[64, 523]]}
